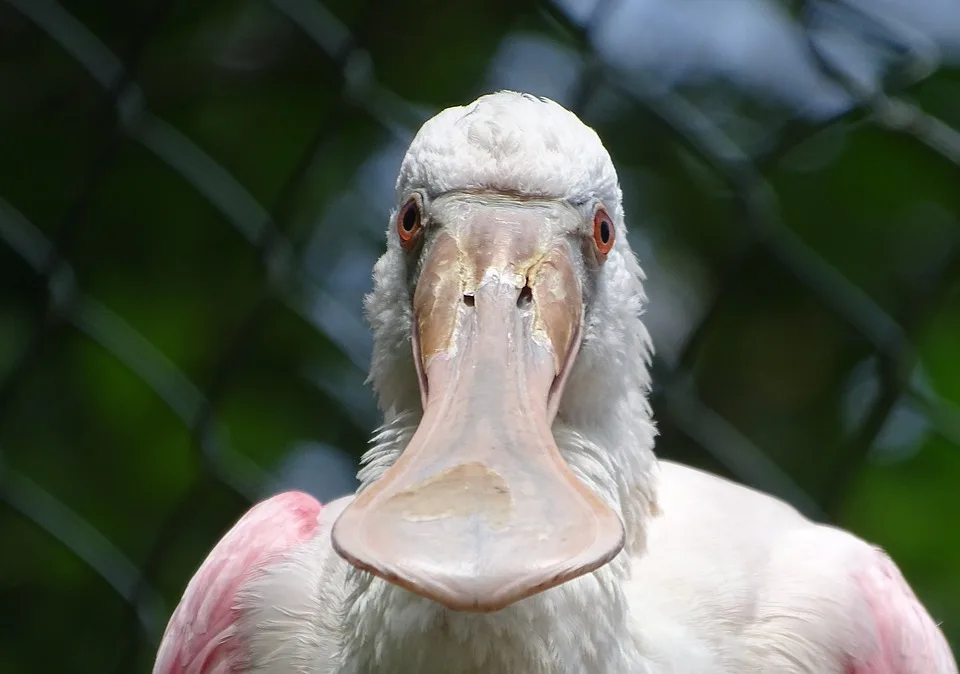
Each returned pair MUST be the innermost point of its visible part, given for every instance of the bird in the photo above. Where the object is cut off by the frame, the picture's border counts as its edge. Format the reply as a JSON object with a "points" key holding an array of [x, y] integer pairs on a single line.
{"points": [[511, 515]]}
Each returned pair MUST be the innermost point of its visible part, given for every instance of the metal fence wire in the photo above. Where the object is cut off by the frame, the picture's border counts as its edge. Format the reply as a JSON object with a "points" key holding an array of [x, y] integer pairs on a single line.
{"points": [[290, 276]]}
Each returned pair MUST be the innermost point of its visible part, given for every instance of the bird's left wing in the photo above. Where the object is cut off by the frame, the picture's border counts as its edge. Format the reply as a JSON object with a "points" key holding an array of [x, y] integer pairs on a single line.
{"points": [[908, 641], [202, 637]]}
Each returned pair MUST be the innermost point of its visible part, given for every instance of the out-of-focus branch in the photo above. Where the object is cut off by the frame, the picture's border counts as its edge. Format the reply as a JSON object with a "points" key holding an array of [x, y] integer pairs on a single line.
{"points": [[82, 539], [886, 109], [895, 374]]}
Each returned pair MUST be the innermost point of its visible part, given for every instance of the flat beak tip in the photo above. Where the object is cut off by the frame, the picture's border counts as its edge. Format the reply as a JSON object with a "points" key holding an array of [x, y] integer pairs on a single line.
{"points": [[463, 592], [480, 593], [457, 582]]}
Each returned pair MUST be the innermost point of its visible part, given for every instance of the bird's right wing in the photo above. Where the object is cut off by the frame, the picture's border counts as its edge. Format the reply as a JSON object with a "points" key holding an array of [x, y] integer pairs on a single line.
{"points": [[201, 637]]}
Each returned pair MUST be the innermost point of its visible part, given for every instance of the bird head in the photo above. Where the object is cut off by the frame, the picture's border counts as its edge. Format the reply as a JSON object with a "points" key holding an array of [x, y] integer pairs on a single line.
{"points": [[505, 313]]}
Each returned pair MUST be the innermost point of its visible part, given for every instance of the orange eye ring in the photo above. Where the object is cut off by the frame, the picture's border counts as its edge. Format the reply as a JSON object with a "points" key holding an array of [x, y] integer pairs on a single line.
{"points": [[603, 232], [409, 222]]}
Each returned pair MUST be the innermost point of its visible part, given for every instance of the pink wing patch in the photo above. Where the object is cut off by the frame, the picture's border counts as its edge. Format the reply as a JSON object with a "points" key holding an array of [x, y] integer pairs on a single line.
{"points": [[908, 641], [201, 637]]}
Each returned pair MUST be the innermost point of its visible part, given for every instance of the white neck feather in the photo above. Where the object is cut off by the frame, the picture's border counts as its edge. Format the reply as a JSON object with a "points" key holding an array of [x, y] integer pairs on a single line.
{"points": [[581, 627]]}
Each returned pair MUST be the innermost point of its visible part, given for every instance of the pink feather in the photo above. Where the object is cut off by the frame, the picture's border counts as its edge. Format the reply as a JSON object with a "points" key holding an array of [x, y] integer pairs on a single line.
{"points": [[201, 636], [908, 641]]}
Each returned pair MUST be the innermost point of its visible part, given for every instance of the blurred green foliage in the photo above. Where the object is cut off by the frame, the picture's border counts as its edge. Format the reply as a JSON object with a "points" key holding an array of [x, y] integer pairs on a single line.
{"points": [[184, 371]]}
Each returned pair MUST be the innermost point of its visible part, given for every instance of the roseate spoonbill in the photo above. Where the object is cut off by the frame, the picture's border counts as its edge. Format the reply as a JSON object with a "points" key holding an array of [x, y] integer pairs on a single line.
{"points": [[512, 517]]}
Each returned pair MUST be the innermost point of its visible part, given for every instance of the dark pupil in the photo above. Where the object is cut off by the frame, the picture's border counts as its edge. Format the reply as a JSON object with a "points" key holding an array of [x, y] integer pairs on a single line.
{"points": [[605, 231], [409, 218]]}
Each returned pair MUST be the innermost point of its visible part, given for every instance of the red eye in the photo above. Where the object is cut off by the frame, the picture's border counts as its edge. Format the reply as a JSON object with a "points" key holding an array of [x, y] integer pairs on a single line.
{"points": [[409, 222], [603, 232]]}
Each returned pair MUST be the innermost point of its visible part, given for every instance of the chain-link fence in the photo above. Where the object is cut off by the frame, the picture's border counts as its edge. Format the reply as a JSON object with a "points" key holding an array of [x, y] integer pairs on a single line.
{"points": [[184, 247]]}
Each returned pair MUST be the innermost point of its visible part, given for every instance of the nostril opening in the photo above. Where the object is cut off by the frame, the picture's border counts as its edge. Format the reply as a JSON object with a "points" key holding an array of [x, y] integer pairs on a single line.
{"points": [[526, 296], [468, 300]]}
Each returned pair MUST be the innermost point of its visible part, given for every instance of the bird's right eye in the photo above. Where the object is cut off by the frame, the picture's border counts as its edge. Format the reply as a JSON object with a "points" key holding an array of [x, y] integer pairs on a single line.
{"points": [[409, 222]]}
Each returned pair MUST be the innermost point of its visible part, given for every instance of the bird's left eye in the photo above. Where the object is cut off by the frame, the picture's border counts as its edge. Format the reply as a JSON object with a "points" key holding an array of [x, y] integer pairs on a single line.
{"points": [[409, 222], [603, 232]]}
